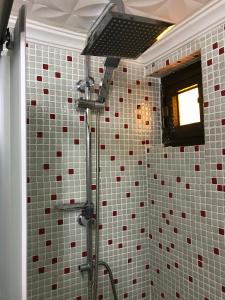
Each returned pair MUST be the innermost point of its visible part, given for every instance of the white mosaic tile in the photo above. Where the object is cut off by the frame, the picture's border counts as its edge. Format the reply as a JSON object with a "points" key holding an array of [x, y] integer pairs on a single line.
{"points": [[186, 192], [164, 225], [56, 172]]}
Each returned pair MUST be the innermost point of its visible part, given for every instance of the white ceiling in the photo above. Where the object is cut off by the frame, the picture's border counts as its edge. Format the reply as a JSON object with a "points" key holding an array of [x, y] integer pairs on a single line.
{"points": [[79, 15]]}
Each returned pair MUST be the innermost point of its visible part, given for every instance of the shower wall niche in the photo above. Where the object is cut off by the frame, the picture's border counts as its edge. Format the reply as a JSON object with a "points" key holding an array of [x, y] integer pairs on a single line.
{"points": [[56, 172]]}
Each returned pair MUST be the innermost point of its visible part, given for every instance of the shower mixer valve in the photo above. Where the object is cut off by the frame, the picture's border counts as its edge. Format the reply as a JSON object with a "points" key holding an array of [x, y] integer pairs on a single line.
{"points": [[85, 87]]}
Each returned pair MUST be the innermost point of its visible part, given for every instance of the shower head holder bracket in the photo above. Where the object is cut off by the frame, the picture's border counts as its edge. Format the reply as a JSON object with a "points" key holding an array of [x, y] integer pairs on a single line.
{"points": [[82, 104]]}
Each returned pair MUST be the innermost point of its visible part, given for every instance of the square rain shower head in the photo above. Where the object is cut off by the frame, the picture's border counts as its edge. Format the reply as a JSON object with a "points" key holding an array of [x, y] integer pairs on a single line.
{"points": [[123, 36]]}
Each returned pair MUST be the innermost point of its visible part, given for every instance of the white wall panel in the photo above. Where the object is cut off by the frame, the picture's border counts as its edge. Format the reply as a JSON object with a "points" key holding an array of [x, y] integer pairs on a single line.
{"points": [[13, 219]]}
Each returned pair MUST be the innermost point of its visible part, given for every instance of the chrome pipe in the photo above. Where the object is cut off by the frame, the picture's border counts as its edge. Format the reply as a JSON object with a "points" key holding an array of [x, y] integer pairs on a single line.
{"points": [[87, 75], [97, 210], [88, 116], [98, 263]]}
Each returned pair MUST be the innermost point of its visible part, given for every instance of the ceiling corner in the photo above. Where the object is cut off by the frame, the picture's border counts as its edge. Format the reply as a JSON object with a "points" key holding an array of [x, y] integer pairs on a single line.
{"points": [[202, 21]]}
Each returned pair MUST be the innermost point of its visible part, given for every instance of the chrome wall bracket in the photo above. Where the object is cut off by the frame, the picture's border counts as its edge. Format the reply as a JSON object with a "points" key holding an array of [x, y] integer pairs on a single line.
{"points": [[85, 268], [84, 104], [119, 5]]}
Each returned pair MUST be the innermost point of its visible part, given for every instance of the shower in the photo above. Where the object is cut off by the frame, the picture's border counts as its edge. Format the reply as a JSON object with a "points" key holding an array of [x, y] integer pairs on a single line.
{"points": [[114, 35], [93, 205], [122, 35]]}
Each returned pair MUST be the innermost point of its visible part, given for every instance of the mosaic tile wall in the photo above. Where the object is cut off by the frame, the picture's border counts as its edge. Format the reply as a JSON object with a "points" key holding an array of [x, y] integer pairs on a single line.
{"points": [[186, 190], [56, 172]]}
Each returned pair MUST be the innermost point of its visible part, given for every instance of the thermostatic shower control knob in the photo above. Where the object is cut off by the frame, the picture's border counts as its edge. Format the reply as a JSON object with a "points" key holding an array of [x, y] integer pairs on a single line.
{"points": [[83, 84]]}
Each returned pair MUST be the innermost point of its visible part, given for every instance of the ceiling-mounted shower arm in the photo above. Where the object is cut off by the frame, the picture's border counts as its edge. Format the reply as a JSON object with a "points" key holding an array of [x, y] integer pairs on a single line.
{"points": [[119, 4], [105, 84], [111, 63]]}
